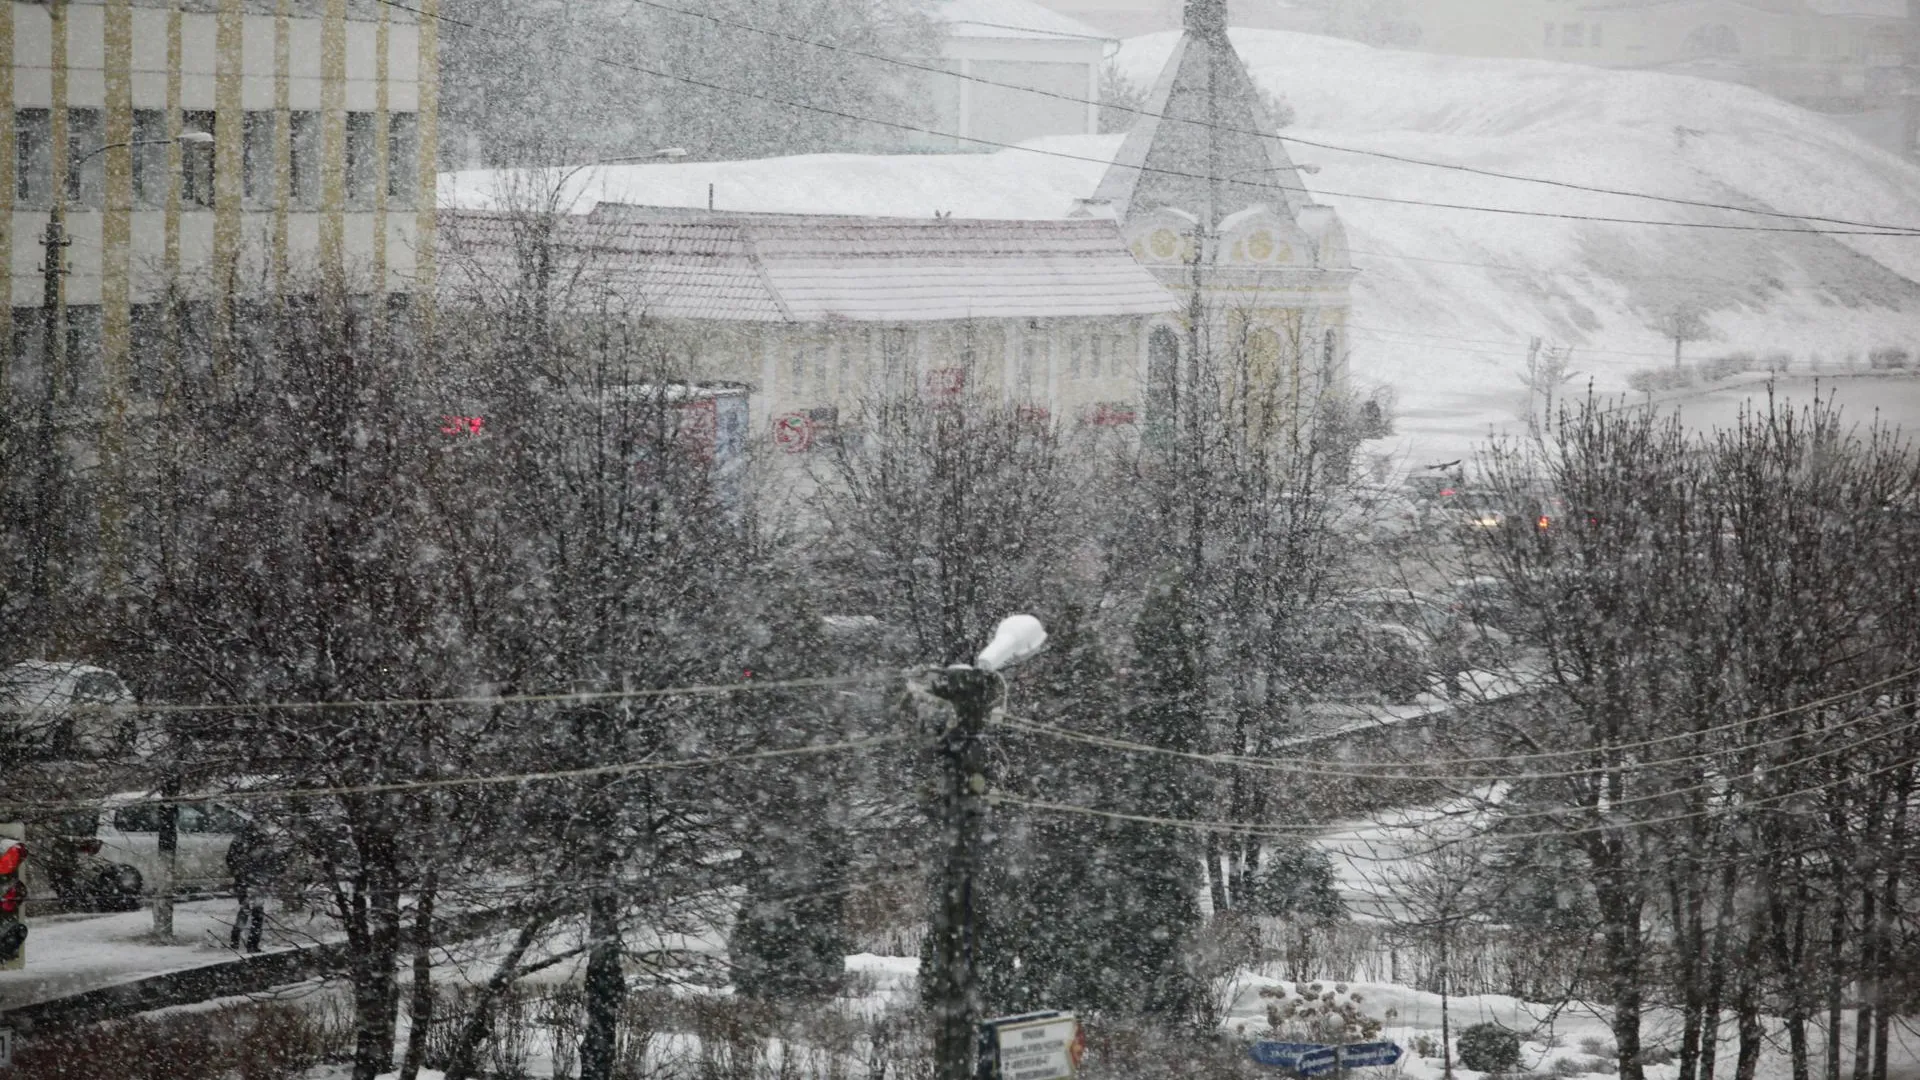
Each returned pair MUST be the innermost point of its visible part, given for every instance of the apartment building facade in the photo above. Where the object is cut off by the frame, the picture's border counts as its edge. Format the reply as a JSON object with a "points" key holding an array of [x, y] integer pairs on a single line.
{"points": [[211, 152]]}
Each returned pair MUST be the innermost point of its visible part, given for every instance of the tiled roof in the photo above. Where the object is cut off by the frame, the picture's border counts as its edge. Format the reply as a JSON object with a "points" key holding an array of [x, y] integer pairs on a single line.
{"points": [[787, 268]]}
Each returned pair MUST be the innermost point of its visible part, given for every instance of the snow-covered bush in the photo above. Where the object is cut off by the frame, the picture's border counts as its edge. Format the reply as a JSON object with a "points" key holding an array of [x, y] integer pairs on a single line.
{"points": [[1319, 1014], [1489, 1048]]}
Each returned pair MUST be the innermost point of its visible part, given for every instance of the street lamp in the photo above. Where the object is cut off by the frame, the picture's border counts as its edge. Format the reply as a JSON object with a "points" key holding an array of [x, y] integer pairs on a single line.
{"points": [[971, 690], [53, 356]]}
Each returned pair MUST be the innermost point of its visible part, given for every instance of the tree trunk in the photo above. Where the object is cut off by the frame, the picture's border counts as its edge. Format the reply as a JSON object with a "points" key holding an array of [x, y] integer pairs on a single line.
{"points": [[1836, 962], [606, 986], [420, 1006], [1684, 906], [1717, 972], [1889, 906], [1446, 1028], [1869, 982], [465, 1056], [1619, 904], [1216, 875]]}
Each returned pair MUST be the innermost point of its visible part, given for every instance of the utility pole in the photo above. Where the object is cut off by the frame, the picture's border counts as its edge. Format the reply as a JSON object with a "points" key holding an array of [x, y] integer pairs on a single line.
{"points": [[956, 993], [53, 357]]}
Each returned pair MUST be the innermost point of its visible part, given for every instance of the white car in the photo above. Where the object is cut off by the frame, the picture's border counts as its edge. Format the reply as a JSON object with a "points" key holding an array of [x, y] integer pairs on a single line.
{"points": [[130, 835], [62, 711]]}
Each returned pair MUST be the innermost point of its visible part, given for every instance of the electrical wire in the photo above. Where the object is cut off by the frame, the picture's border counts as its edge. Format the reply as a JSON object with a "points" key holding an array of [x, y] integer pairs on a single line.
{"points": [[1548, 755], [478, 700], [402, 786], [1377, 770], [842, 114], [1256, 829], [1230, 129]]}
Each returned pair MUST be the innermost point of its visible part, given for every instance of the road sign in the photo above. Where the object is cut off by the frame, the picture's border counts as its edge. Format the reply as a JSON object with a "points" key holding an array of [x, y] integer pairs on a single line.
{"points": [[1306, 1059], [1042, 1049], [1362, 1055], [1314, 1059]]}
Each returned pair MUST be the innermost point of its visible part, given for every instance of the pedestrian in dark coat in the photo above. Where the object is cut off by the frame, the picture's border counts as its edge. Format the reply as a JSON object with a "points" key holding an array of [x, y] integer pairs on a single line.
{"points": [[254, 860]]}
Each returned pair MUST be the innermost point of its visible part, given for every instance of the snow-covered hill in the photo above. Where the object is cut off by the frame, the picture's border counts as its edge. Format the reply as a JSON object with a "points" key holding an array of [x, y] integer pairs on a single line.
{"points": [[1450, 298]]}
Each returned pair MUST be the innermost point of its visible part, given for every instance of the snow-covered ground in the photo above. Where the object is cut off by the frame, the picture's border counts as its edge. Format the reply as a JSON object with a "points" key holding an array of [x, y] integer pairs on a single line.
{"points": [[69, 954], [1450, 298]]}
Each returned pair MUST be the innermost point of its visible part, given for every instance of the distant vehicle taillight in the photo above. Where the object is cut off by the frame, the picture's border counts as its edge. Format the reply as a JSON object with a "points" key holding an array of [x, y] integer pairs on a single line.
{"points": [[91, 847]]}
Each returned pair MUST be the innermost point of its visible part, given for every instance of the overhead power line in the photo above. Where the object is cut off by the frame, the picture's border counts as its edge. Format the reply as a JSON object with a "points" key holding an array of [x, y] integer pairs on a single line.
{"points": [[492, 780], [1248, 828], [474, 701], [1361, 151], [1639, 744], [841, 114], [1718, 786], [1398, 770]]}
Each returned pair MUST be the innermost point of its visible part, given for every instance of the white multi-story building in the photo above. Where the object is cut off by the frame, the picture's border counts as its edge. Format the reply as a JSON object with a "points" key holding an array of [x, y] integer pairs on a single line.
{"points": [[203, 151]]}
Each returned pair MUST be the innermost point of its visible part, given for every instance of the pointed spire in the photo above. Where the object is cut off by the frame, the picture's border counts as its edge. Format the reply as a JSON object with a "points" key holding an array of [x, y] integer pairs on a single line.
{"points": [[1207, 18]]}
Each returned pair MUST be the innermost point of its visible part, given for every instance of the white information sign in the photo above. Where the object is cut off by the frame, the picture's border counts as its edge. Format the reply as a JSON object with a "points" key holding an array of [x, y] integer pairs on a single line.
{"points": [[1040, 1050]]}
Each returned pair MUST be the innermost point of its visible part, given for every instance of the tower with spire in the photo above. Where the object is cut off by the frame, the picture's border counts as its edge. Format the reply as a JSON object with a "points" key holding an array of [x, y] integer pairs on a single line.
{"points": [[1209, 199]]}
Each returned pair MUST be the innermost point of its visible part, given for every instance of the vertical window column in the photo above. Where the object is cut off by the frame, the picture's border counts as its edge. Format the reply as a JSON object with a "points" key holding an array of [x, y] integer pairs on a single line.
{"points": [[149, 157], [196, 162], [33, 158], [361, 152], [86, 166], [303, 162], [403, 159], [256, 159]]}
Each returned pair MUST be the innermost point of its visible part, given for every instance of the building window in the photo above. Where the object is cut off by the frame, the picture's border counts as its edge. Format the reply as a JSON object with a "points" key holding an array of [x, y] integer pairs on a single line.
{"points": [[1594, 35], [403, 158], [23, 375], [196, 163], [149, 157], [1076, 356], [360, 164], [86, 164], [303, 159], [1573, 35], [146, 352], [83, 374], [1549, 35], [33, 157], [256, 158]]}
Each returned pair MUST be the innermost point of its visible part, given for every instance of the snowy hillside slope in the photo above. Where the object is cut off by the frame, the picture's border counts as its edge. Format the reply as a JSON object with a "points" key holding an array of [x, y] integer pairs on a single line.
{"points": [[1450, 298]]}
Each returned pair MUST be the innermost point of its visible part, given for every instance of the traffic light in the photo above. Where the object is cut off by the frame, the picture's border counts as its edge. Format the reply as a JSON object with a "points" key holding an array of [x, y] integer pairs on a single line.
{"points": [[13, 897]]}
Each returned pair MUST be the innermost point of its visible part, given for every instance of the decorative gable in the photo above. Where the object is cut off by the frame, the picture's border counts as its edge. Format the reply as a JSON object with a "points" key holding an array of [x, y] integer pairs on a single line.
{"points": [[1161, 237], [1259, 237]]}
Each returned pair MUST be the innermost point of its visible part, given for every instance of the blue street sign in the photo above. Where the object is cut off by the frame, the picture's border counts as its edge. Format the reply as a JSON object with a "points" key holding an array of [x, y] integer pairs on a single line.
{"points": [[1307, 1059], [1361, 1055], [1282, 1055], [1315, 1059]]}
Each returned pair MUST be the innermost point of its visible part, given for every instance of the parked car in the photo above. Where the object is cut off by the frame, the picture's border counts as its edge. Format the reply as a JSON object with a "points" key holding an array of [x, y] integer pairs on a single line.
{"points": [[108, 858], [61, 711], [130, 834]]}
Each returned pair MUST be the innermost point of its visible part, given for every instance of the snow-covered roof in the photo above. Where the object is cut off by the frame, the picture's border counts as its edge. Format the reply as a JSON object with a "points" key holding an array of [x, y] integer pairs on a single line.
{"points": [[1011, 19], [777, 268], [1204, 109]]}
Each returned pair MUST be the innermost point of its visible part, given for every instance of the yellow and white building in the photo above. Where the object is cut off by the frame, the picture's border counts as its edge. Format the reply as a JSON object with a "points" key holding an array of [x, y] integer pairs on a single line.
{"points": [[216, 151]]}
